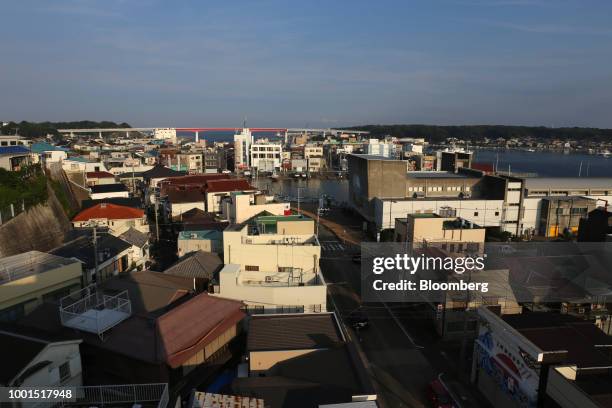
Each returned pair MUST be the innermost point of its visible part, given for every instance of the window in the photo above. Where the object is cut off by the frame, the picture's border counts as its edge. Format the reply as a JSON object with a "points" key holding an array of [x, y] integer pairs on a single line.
{"points": [[64, 371], [475, 213], [251, 267], [496, 213]]}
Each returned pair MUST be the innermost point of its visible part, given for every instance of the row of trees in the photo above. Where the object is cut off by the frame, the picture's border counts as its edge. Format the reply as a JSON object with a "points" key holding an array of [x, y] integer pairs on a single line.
{"points": [[437, 134]]}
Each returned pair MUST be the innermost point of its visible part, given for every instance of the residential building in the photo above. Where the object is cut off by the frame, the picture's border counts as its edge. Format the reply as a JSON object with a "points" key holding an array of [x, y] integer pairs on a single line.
{"points": [[134, 202], [153, 339], [165, 133], [110, 256], [239, 207], [140, 250], [314, 156], [32, 360], [95, 178], [242, 149], [109, 191], [178, 202], [453, 160], [201, 240], [13, 140], [282, 290], [116, 218], [202, 267], [81, 164], [313, 366], [515, 356], [450, 233], [30, 278], [15, 158], [266, 156], [273, 243], [378, 148], [158, 173], [216, 190]]}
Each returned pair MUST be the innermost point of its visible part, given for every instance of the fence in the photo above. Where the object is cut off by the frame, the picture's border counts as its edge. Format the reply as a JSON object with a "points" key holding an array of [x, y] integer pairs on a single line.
{"points": [[12, 210]]}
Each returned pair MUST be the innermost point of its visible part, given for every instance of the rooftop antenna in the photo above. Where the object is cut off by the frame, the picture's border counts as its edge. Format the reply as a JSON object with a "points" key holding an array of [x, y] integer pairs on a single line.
{"points": [[244, 122]]}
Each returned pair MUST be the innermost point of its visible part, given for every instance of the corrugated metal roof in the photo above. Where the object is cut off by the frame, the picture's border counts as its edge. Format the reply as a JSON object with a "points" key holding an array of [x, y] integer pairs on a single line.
{"points": [[197, 264]]}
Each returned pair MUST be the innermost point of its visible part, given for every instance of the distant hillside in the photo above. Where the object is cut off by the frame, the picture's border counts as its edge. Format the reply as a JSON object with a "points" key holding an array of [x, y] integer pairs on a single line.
{"points": [[478, 132], [41, 129]]}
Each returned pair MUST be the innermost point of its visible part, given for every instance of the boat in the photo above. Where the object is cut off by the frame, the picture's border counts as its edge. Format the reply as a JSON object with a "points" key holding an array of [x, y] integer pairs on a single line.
{"points": [[531, 150]]}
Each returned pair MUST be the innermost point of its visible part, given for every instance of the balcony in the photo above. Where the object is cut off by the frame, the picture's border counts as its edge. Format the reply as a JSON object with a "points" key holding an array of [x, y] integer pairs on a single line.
{"points": [[142, 395], [93, 311]]}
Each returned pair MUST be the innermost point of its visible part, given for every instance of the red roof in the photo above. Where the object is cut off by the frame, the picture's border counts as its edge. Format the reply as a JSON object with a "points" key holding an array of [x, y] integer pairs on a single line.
{"points": [[208, 318], [486, 167], [109, 211], [215, 186], [100, 174]]}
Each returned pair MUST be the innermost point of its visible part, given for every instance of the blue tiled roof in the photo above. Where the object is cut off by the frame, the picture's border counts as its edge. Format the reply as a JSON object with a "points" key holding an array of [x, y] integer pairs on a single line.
{"points": [[40, 147], [14, 150]]}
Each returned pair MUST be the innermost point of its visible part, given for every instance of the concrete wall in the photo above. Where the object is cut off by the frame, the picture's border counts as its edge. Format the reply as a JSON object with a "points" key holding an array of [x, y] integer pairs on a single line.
{"points": [[41, 228], [57, 354]]}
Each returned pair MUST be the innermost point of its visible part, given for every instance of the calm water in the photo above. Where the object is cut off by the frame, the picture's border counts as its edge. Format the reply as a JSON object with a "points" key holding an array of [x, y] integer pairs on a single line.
{"points": [[546, 163], [310, 189]]}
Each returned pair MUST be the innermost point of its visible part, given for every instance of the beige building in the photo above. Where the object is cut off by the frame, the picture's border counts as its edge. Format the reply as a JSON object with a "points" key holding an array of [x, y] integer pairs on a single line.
{"points": [[273, 243], [274, 291], [30, 278], [239, 207], [451, 233]]}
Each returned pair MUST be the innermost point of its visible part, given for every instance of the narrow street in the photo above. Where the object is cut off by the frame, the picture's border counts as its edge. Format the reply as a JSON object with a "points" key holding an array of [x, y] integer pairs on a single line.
{"points": [[403, 351]]}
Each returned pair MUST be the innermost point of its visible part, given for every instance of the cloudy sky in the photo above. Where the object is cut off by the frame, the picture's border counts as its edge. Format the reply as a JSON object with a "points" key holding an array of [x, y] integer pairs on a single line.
{"points": [[308, 63]]}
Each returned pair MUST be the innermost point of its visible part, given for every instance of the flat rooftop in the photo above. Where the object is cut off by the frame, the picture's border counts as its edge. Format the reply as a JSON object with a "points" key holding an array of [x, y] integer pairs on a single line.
{"points": [[30, 263], [568, 183], [438, 175]]}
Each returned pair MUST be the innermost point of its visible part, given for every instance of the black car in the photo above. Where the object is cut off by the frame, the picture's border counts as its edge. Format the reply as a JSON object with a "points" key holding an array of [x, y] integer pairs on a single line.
{"points": [[358, 320]]}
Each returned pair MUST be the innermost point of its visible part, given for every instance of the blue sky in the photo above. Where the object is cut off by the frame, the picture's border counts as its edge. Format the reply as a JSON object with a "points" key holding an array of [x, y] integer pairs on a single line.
{"points": [[308, 63]]}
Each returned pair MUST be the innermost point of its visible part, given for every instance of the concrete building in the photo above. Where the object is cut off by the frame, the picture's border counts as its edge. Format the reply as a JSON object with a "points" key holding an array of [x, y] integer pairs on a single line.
{"points": [[381, 148], [206, 241], [30, 278], [242, 149], [561, 215], [273, 243], [37, 361], [82, 164], [266, 156], [281, 290], [450, 233], [15, 158], [453, 160], [178, 202], [239, 207], [95, 178], [116, 218], [13, 140], [217, 190], [314, 156], [515, 357], [165, 133]]}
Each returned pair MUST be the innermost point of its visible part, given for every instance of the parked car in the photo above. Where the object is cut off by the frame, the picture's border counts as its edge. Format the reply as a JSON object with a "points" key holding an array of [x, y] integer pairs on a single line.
{"points": [[358, 320], [438, 394]]}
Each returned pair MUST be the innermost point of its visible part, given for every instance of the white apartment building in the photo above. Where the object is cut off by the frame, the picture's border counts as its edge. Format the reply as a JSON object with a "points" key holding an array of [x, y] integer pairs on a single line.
{"points": [[381, 148], [239, 207], [165, 133], [266, 156], [242, 149], [273, 243], [13, 140], [274, 291]]}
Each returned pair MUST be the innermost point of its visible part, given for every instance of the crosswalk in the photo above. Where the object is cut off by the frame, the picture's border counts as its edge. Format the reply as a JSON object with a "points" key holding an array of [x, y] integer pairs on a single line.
{"points": [[332, 246]]}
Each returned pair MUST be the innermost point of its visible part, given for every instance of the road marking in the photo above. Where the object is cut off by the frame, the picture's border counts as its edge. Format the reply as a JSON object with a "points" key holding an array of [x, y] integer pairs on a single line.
{"points": [[401, 326]]}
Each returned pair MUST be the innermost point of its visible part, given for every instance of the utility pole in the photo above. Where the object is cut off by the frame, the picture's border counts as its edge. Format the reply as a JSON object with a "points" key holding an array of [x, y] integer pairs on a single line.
{"points": [[156, 220], [95, 245]]}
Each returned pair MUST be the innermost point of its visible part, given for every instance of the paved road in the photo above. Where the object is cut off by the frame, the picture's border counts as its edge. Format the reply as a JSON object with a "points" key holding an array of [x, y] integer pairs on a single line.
{"points": [[404, 353]]}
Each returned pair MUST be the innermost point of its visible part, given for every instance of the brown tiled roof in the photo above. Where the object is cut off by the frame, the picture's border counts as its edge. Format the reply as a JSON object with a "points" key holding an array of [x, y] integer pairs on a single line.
{"points": [[100, 174], [215, 186], [194, 324], [293, 332], [185, 196]]}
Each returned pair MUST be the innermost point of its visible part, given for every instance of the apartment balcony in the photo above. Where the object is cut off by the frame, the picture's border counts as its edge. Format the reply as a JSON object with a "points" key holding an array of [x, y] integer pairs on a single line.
{"points": [[93, 311]]}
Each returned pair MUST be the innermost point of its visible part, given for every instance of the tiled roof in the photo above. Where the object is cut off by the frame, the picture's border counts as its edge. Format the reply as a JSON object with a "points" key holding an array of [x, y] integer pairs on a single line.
{"points": [[293, 332], [185, 196], [108, 188], [135, 237], [207, 317], [214, 186], [110, 212], [82, 248], [160, 171], [6, 150], [133, 202], [197, 264], [100, 174]]}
